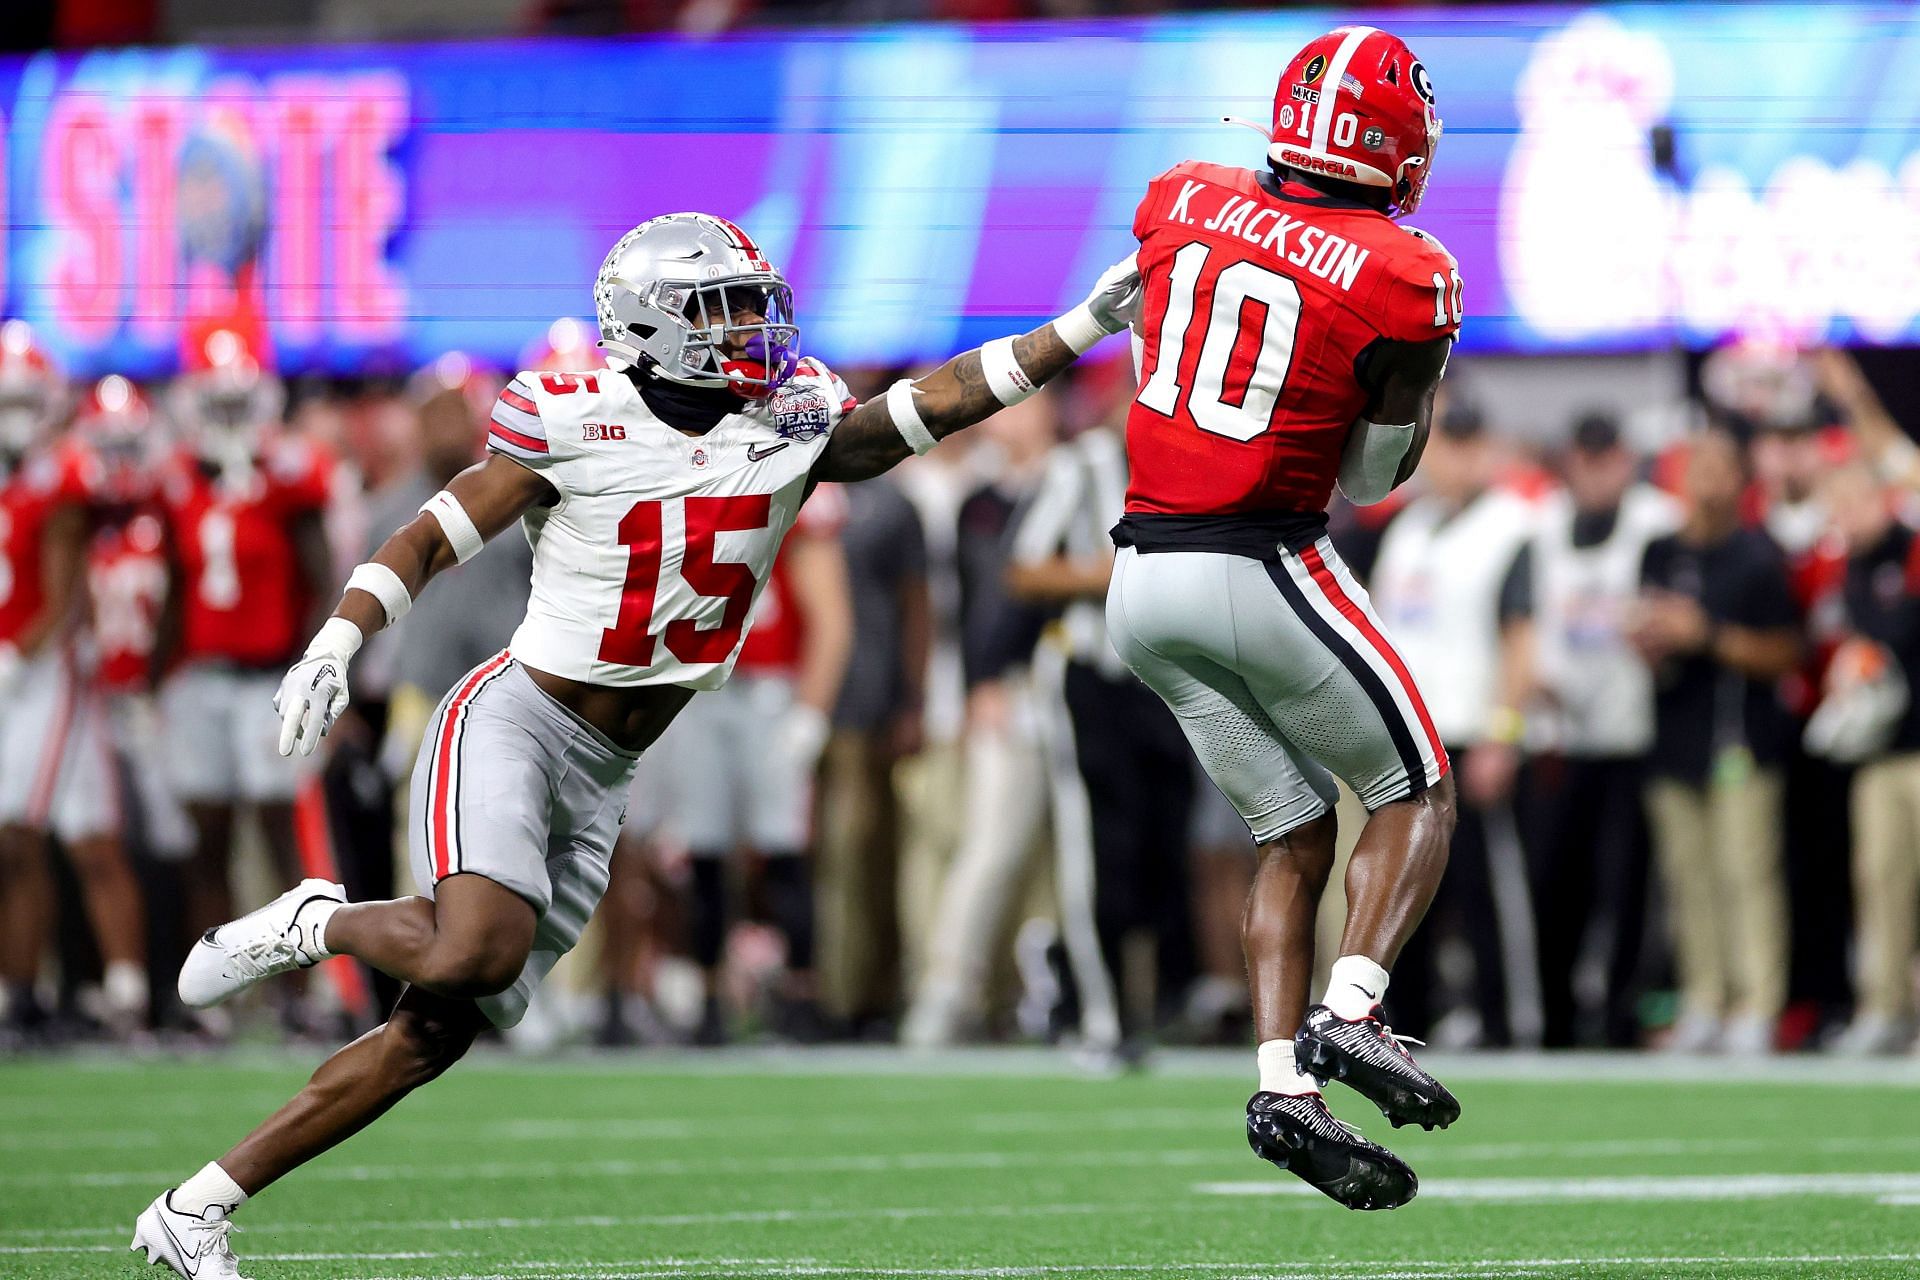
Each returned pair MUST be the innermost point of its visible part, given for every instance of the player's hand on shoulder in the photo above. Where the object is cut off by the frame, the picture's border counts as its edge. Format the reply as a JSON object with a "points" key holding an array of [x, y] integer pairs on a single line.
{"points": [[1114, 303]]}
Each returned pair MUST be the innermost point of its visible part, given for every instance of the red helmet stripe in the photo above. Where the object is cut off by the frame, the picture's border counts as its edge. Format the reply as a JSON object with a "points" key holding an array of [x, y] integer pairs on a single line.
{"points": [[744, 241], [1336, 72]]}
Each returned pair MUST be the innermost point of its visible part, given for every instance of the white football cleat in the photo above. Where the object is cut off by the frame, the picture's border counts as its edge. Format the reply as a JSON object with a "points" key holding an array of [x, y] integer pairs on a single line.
{"points": [[196, 1248], [232, 957]]}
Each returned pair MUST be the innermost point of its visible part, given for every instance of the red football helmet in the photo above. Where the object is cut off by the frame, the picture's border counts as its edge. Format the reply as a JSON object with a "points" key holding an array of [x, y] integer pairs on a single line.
{"points": [[116, 423], [1356, 105], [32, 393]]}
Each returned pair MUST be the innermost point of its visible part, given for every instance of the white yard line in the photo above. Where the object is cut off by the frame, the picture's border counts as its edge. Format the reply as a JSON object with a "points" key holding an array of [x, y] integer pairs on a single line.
{"points": [[1742, 1186], [1426, 1149], [906, 1162], [737, 1217], [1485, 1268]]}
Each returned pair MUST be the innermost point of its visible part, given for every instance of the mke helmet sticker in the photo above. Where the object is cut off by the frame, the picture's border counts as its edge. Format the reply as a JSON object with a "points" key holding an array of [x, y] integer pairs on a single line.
{"points": [[1421, 85], [1316, 67]]}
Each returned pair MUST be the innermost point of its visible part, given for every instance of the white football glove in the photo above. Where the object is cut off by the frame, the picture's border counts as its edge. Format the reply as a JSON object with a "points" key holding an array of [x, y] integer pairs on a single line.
{"points": [[1115, 300], [802, 735], [1112, 306], [314, 691]]}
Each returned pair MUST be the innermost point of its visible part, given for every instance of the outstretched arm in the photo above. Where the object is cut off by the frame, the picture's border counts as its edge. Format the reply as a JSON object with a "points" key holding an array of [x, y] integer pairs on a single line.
{"points": [[476, 505], [973, 386]]}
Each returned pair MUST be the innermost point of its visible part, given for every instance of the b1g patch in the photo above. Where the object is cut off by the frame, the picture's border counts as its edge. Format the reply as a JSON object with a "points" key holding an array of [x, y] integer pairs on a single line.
{"points": [[802, 411]]}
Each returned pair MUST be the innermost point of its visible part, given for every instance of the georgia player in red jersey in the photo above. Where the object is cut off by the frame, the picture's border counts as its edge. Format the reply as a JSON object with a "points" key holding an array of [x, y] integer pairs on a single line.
{"points": [[244, 505], [56, 775], [1293, 338], [127, 581]]}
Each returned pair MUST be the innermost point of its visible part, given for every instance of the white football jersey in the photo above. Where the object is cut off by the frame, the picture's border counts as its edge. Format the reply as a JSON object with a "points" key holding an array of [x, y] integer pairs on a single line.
{"points": [[647, 569]]}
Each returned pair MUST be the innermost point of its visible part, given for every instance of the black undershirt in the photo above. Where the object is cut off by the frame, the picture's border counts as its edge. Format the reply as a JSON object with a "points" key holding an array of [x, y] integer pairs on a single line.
{"points": [[696, 410]]}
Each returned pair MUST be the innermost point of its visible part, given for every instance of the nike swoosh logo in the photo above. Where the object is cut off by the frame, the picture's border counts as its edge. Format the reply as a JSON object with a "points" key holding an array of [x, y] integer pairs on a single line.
{"points": [[755, 452], [1371, 995], [189, 1258]]}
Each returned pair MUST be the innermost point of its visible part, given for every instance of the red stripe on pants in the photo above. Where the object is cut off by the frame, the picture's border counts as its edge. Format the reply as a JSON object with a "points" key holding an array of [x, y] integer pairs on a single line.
{"points": [[1330, 587], [443, 765]]}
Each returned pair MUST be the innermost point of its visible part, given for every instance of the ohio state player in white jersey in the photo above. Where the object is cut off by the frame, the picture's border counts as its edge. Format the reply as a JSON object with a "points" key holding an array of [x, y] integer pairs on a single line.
{"points": [[656, 494]]}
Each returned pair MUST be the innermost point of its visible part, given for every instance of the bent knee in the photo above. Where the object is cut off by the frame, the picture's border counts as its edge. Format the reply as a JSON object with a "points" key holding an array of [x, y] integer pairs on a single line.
{"points": [[471, 972]]}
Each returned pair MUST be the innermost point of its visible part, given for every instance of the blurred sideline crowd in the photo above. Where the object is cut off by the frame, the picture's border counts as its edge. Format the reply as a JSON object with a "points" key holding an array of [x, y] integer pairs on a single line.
{"points": [[1672, 662]]}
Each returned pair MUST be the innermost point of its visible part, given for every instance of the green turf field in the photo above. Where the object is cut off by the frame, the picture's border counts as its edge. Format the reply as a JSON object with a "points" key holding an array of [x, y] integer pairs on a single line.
{"points": [[1005, 1166]]}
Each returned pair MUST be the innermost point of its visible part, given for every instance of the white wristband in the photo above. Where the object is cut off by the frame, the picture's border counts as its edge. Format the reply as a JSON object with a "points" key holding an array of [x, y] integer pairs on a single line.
{"points": [[906, 417], [337, 638], [456, 524], [1078, 329], [1005, 378], [384, 585]]}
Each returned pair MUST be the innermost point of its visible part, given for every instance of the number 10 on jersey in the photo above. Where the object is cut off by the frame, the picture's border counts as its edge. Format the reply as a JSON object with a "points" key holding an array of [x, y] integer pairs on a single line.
{"points": [[1251, 315]]}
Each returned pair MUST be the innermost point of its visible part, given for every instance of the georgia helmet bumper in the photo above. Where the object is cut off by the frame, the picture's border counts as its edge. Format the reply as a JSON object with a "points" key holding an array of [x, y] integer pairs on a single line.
{"points": [[1356, 105], [667, 297], [117, 424]]}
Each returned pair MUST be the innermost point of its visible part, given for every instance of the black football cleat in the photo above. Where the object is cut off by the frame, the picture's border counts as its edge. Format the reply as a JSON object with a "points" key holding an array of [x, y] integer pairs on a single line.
{"points": [[1301, 1136], [1368, 1058]]}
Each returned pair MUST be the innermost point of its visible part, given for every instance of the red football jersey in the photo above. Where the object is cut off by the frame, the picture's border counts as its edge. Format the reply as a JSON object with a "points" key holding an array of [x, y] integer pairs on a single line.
{"points": [[127, 581], [42, 485], [1260, 299], [244, 600], [778, 634]]}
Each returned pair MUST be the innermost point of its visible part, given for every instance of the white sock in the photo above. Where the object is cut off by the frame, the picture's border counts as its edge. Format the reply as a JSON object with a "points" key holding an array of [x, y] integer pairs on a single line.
{"points": [[315, 916], [1278, 1071], [1355, 988], [210, 1188], [125, 986]]}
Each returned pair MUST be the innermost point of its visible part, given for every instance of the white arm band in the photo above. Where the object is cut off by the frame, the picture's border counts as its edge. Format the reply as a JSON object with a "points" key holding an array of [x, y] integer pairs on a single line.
{"points": [[1005, 378], [384, 585], [456, 524], [906, 417], [1371, 460]]}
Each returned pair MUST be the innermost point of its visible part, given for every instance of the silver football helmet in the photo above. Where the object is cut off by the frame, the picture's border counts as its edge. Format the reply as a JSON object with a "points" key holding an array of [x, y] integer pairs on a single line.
{"points": [[667, 296]]}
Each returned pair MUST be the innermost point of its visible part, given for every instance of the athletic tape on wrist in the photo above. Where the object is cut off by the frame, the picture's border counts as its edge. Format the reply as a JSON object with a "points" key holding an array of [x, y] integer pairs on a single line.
{"points": [[906, 417], [337, 638], [456, 524], [384, 585], [1005, 378], [1078, 329]]}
